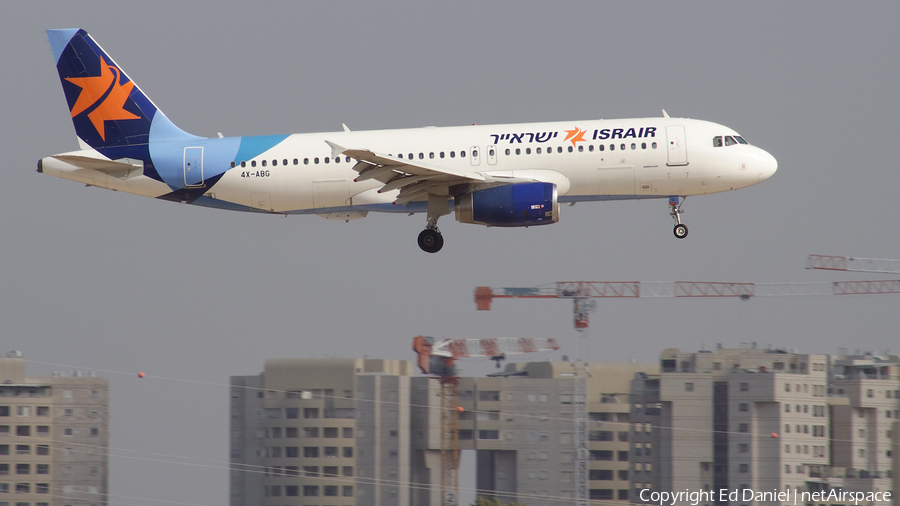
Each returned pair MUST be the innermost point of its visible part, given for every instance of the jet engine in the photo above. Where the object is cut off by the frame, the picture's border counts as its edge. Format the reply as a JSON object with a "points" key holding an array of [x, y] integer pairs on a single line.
{"points": [[511, 205]]}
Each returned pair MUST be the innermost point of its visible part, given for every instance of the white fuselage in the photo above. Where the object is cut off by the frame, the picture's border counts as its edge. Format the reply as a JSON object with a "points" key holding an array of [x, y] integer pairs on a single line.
{"points": [[299, 174]]}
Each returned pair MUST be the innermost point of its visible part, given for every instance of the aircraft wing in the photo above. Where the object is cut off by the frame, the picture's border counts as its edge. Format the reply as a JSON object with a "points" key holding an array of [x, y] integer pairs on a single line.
{"points": [[414, 178]]}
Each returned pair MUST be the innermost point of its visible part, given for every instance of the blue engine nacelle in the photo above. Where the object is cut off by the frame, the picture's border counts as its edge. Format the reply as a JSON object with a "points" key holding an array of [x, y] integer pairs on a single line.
{"points": [[511, 205]]}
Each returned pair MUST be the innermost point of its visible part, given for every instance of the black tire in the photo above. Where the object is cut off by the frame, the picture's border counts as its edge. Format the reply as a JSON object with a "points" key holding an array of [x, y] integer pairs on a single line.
{"points": [[430, 241], [680, 231]]}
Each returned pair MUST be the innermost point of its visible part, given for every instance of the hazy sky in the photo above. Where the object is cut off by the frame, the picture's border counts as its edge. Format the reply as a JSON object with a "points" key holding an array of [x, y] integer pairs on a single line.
{"points": [[111, 281]]}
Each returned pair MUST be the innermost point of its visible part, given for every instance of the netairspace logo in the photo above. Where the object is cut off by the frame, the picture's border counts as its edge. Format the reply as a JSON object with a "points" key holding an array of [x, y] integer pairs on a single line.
{"points": [[694, 498]]}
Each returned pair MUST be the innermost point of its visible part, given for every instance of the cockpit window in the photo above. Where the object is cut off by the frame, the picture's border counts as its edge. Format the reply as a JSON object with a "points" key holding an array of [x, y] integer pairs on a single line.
{"points": [[717, 141], [729, 140], [741, 139]]}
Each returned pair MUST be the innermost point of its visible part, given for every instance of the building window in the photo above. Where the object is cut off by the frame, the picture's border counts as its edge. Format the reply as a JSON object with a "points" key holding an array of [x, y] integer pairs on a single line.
{"points": [[347, 491], [311, 452], [688, 387], [743, 468], [743, 448], [348, 452], [290, 432], [23, 430], [330, 432], [310, 491], [745, 387], [291, 490], [311, 413], [95, 431], [292, 451], [348, 432], [310, 432], [488, 434], [744, 427], [489, 395], [23, 450], [330, 490], [744, 407], [331, 451], [23, 468]]}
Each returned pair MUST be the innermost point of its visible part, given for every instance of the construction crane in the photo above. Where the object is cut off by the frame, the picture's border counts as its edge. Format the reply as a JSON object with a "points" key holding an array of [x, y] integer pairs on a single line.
{"points": [[438, 358], [853, 264], [584, 293]]}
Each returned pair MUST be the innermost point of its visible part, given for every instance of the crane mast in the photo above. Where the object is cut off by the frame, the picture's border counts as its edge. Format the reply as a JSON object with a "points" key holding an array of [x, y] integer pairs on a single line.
{"points": [[438, 358]]}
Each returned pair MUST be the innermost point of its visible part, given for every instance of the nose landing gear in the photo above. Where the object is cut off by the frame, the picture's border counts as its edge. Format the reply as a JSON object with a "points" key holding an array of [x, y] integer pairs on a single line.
{"points": [[680, 230]]}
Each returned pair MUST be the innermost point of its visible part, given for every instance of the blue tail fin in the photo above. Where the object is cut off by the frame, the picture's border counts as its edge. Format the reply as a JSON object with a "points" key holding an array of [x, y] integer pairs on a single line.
{"points": [[109, 111]]}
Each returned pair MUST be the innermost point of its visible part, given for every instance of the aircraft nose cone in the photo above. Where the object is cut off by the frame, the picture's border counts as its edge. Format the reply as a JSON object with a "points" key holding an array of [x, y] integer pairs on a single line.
{"points": [[767, 166]]}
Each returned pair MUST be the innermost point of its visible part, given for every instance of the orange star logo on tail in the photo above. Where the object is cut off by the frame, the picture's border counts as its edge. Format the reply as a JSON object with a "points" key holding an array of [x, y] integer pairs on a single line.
{"points": [[104, 88], [576, 135]]}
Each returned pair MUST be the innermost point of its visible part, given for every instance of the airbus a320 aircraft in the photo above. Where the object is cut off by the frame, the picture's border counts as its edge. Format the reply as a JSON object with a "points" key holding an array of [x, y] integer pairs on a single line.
{"points": [[512, 175]]}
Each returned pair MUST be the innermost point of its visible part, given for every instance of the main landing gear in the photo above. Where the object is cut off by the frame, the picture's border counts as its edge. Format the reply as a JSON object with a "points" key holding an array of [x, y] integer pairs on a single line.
{"points": [[680, 230], [430, 239]]}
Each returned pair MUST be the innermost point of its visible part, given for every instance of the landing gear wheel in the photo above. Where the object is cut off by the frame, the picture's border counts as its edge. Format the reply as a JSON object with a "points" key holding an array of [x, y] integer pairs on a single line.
{"points": [[430, 240], [680, 231]]}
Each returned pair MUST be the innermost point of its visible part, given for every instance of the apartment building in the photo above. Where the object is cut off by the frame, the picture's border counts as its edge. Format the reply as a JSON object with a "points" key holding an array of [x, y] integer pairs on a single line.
{"points": [[732, 419], [54, 437], [862, 429], [330, 432], [521, 424]]}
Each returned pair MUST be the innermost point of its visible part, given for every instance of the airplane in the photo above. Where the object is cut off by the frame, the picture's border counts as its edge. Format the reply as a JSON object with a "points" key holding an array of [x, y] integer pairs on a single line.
{"points": [[513, 175]]}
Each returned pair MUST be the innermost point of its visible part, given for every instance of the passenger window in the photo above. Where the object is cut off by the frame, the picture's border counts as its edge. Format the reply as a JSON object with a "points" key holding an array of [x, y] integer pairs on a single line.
{"points": [[284, 162], [518, 151], [232, 165], [462, 154], [612, 147], [559, 149], [263, 163], [491, 152], [347, 159], [421, 156], [274, 163], [601, 147], [633, 146], [410, 156], [453, 154], [316, 160], [253, 163], [243, 163], [622, 147], [591, 147], [327, 160], [643, 145], [296, 162], [431, 155], [337, 159], [527, 151], [538, 150], [399, 155], [442, 154], [570, 149], [653, 145], [507, 151], [729, 141], [474, 153], [717, 141], [306, 161]]}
